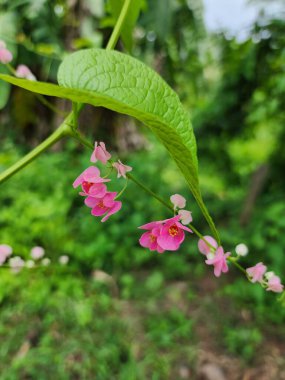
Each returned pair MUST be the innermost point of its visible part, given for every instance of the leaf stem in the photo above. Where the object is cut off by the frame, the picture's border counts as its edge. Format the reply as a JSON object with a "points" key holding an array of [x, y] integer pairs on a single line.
{"points": [[60, 132], [49, 105], [119, 25]]}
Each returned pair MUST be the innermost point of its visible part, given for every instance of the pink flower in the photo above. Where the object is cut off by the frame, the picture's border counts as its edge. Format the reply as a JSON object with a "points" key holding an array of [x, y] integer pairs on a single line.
{"points": [[256, 272], [122, 169], [91, 183], [5, 55], [218, 260], [22, 71], [172, 234], [37, 252], [178, 201], [185, 216], [100, 153], [105, 205], [149, 238], [274, 284], [204, 248], [5, 251]]}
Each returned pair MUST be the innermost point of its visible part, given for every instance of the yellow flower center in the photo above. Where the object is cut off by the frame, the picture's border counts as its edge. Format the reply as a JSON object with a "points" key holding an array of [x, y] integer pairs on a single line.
{"points": [[173, 230]]}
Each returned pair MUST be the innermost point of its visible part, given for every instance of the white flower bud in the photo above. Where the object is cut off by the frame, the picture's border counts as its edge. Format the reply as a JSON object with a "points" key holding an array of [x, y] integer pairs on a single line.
{"points": [[269, 275], [241, 249], [63, 260], [30, 264], [45, 262]]}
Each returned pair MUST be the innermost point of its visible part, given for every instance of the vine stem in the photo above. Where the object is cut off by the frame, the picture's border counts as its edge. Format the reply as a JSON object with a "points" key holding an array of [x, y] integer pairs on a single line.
{"points": [[119, 25]]}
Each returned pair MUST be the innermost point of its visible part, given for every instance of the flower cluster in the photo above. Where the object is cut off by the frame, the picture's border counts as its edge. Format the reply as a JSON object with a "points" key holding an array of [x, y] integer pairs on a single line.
{"points": [[17, 263], [167, 235], [269, 280], [215, 255], [101, 201]]}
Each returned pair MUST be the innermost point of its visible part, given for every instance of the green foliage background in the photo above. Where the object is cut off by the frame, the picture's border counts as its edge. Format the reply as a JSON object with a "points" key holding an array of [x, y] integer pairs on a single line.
{"points": [[66, 322]]}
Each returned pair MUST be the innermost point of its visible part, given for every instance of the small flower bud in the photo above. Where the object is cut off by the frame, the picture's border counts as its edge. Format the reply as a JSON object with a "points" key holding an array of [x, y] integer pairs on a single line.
{"points": [[30, 264], [46, 262], [63, 260], [37, 253], [241, 249], [269, 275]]}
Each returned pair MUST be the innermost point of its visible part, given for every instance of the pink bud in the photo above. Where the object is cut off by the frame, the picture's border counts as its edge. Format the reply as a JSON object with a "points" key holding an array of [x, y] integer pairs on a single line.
{"points": [[22, 71], [5, 251], [185, 216], [219, 261], [256, 272], [204, 248], [178, 201], [37, 253], [100, 153], [274, 285], [5, 55], [122, 169]]}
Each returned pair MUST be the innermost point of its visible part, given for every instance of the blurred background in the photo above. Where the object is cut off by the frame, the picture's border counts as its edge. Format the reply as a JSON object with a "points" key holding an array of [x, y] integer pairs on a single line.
{"points": [[117, 311]]}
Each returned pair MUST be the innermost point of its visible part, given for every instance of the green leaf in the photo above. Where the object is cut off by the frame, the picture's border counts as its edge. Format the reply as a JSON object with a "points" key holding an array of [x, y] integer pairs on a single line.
{"points": [[130, 20], [123, 84]]}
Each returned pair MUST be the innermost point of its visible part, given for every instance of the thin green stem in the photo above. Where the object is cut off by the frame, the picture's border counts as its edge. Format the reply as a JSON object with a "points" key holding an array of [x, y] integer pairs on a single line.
{"points": [[10, 68], [149, 191], [119, 25], [234, 262], [123, 189], [49, 105], [60, 132]]}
